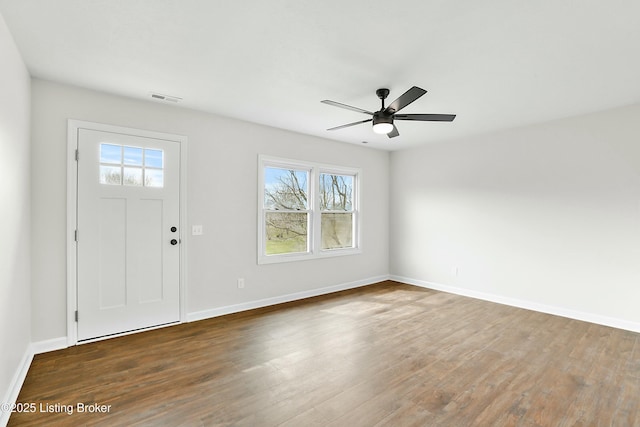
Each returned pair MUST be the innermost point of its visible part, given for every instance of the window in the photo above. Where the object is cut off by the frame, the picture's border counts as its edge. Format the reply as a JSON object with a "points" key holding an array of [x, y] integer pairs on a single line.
{"points": [[133, 166], [306, 210]]}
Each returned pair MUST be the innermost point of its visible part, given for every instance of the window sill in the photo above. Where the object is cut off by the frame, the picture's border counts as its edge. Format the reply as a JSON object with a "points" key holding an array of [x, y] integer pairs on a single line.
{"points": [[331, 253]]}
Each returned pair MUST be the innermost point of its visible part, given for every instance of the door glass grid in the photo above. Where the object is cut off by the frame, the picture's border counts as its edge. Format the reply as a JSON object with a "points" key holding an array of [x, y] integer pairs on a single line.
{"points": [[133, 166]]}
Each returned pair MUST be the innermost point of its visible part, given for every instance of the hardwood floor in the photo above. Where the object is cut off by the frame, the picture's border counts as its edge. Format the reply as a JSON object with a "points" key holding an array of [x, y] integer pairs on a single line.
{"points": [[384, 355]]}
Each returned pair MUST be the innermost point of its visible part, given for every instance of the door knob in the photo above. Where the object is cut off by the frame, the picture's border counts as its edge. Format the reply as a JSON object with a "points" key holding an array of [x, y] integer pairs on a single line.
{"points": [[174, 229], [174, 242]]}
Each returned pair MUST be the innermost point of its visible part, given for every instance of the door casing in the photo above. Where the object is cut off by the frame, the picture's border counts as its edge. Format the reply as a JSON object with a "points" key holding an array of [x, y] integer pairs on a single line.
{"points": [[73, 127]]}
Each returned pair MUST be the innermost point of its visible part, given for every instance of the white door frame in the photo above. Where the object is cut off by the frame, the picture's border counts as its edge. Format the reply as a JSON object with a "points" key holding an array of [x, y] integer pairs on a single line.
{"points": [[73, 127]]}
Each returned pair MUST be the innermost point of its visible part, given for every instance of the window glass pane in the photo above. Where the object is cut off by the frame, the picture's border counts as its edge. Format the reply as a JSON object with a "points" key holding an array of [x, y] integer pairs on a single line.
{"points": [[337, 230], [132, 176], [285, 189], [153, 158], [153, 178], [286, 232], [110, 153], [133, 156], [336, 192], [110, 175]]}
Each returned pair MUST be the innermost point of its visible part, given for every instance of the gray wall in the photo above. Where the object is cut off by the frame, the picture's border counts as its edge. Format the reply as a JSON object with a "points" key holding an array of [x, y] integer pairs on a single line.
{"points": [[548, 215], [15, 305], [222, 196]]}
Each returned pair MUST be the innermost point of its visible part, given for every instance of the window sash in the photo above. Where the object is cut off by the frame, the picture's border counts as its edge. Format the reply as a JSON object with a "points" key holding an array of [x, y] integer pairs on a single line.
{"points": [[328, 195], [288, 237], [304, 205], [335, 233]]}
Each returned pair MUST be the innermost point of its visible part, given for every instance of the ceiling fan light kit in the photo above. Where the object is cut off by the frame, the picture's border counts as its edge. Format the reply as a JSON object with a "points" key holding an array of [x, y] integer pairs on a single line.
{"points": [[383, 119], [382, 124]]}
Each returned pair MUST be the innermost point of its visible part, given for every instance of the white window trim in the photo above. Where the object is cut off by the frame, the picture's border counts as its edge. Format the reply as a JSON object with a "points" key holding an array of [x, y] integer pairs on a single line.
{"points": [[314, 241]]}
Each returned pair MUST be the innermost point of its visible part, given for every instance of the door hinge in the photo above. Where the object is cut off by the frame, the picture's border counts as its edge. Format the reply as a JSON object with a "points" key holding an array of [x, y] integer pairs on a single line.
{"points": [[76, 315], [77, 155], [75, 235]]}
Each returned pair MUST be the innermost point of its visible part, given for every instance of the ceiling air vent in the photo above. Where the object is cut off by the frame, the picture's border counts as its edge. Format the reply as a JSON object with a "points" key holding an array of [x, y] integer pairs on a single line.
{"points": [[167, 98]]}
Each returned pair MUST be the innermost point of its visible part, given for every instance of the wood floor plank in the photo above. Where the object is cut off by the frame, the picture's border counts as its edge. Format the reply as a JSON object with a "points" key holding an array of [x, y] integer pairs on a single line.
{"points": [[381, 355]]}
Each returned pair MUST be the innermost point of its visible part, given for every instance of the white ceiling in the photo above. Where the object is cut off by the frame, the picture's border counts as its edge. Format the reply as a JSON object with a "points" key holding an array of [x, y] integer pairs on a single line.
{"points": [[495, 63]]}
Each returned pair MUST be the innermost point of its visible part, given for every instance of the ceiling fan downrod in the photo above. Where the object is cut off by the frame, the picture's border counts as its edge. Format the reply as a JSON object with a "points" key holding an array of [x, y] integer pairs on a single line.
{"points": [[382, 94]]}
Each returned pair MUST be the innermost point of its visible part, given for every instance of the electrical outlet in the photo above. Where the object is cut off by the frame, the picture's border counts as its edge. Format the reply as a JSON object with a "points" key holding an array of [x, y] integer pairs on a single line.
{"points": [[196, 230], [241, 283], [455, 271]]}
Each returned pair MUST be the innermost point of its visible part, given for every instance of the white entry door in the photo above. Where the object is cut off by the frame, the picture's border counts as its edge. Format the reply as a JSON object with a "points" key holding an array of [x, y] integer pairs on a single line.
{"points": [[128, 241]]}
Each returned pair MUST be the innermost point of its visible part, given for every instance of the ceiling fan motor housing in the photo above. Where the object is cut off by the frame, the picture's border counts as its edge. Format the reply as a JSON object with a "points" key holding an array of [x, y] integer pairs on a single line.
{"points": [[381, 117]]}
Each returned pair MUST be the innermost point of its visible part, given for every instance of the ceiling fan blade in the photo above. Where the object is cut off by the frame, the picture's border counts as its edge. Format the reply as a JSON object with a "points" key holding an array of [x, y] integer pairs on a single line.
{"points": [[394, 132], [350, 124], [348, 107], [405, 99], [426, 117]]}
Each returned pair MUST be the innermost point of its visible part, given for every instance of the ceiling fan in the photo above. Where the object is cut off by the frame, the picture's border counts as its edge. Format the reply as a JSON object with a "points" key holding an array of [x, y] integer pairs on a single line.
{"points": [[383, 119]]}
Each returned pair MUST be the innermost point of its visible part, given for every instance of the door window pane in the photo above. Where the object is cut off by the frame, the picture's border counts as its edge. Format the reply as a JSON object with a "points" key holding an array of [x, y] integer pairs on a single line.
{"points": [[154, 178], [133, 156], [110, 153], [132, 176], [153, 158], [110, 175]]}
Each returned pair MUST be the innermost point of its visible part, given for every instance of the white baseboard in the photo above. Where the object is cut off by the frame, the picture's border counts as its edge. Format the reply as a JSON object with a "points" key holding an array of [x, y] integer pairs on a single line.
{"points": [[16, 384], [46, 346], [250, 305], [529, 305], [21, 373]]}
